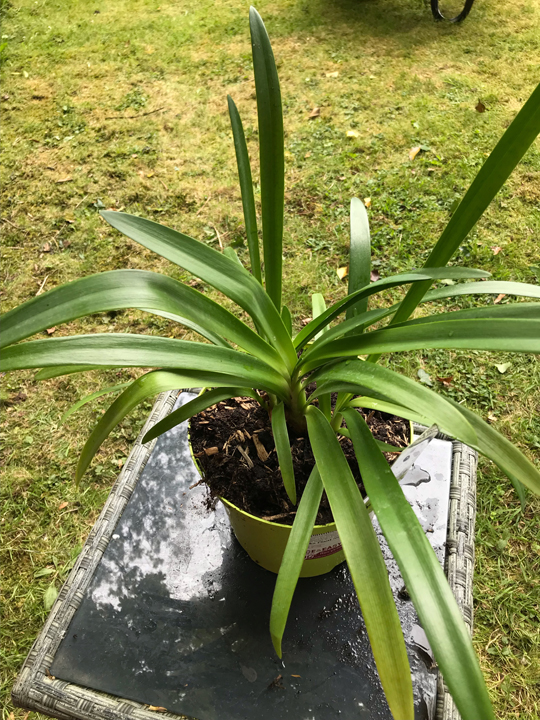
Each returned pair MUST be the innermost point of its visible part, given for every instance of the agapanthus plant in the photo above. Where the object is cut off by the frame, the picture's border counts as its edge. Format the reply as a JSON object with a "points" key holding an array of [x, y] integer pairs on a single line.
{"points": [[338, 350]]}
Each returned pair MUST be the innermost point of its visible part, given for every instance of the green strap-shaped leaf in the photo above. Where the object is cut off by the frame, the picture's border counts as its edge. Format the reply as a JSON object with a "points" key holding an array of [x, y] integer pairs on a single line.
{"points": [[384, 384], [144, 387], [492, 176], [325, 405], [501, 451], [388, 407], [507, 334], [208, 334], [271, 151], [119, 289], [246, 188], [424, 578], [520, 490], [489, 287], [287, 319], [231, 253], [318, 306], [366, 564], [283, 450], [52, 372], [361, 322], [340, 306], [123, 350], [384, 447], [195, 406], [519, 311], [359, 256], [514, 464], [293, 557], [353, 326], [226, 275], [93, 396]]}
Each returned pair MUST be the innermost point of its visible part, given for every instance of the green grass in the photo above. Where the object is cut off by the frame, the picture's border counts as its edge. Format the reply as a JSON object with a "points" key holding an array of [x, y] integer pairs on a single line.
{"points": [[126, 108]]}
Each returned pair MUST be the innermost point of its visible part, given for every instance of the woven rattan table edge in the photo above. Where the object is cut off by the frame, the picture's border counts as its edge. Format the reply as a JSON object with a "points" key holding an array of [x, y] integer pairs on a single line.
{"points": [[35, 689], [459, 556]]}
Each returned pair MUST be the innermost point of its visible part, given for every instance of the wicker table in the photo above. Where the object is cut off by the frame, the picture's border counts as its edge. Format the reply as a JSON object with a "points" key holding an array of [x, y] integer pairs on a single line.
{"points": [[79, 644]]}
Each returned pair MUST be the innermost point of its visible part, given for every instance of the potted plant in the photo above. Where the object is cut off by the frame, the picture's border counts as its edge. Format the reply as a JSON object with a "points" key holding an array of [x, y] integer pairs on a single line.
{"points": [[269, 363]]}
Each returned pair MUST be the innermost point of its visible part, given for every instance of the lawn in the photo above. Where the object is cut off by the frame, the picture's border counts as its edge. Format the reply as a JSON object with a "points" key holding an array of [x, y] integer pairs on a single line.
{"points": [[123, 105]]}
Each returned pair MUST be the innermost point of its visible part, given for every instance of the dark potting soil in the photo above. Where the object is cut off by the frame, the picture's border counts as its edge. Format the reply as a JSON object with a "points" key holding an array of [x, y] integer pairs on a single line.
{"points": [[234, 446]]}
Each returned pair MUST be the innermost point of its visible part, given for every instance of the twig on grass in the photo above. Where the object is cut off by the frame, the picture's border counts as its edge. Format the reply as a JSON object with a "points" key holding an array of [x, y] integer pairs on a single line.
{"points": [[218, 237], [80, 202], [17, 227], [203, 205], [42, 285], [132, 117]]}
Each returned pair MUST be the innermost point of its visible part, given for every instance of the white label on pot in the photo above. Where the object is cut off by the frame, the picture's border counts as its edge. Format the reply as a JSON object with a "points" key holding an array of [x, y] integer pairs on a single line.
{"points": [[323, 545]]}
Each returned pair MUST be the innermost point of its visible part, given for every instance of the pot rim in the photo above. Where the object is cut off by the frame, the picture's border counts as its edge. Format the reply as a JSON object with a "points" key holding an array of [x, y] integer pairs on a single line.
{"points": [[330, 526]]}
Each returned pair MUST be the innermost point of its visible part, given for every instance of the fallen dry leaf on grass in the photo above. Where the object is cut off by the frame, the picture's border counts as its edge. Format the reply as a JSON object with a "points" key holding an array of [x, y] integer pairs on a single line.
{"points": [[374, 275], [315, 113], [446, 381], [480, 107], [51, 330], [46, 247], [367, 202], [496, 250], [342, 272], [334, 74], [63, 505], [64, 180], [353, 133], [499, 298], [413, 152]]}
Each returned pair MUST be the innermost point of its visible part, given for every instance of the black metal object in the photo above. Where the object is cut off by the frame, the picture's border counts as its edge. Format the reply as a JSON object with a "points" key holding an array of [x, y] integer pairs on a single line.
{"points": [[437, 14]]}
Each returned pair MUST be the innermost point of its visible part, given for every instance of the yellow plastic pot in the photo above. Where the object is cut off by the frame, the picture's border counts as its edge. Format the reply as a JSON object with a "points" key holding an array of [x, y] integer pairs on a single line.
{"points": [[265, 542]]}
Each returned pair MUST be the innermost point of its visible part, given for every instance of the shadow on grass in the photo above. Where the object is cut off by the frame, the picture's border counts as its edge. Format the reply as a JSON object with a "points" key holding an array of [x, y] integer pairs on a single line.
{"points": [[409, 23]]}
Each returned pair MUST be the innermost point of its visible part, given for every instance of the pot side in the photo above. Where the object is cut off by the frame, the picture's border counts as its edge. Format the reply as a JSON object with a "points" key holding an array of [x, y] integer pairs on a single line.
{"points": [[265, 541]]}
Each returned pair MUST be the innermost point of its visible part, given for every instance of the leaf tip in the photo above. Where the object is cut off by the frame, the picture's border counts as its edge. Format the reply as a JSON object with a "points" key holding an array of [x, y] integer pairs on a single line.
{"points": [[276, 642], [147, 437]]}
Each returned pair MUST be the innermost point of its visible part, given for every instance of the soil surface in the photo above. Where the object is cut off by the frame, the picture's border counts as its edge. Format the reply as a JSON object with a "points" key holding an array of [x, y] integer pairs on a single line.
{"points": [[234, 446]]}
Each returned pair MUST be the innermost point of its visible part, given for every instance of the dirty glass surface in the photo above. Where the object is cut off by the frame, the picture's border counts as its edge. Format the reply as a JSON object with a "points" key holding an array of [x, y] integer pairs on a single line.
{"points": [[176, 615]]}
